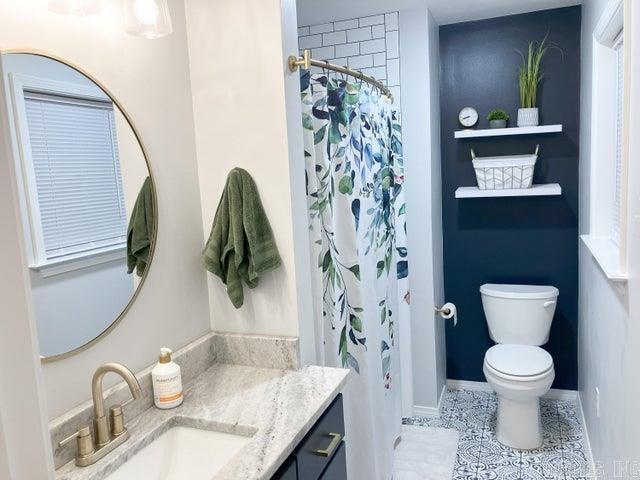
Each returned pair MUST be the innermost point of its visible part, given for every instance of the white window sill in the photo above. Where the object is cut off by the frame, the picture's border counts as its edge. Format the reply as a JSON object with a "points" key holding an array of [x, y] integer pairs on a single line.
{"points": [[78, 261], [607, 255]]}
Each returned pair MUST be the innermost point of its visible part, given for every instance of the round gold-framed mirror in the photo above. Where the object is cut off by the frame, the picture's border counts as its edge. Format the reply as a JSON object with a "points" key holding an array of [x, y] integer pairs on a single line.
{"points": [[88, 199]]}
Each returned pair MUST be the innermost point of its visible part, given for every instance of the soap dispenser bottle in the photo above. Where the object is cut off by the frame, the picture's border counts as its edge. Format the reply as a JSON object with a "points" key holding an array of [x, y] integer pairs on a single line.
{"points": [[167, 381]]}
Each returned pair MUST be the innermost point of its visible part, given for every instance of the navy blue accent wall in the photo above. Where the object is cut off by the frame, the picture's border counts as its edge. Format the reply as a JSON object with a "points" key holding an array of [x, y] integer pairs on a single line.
{"points": [[518, 239]]}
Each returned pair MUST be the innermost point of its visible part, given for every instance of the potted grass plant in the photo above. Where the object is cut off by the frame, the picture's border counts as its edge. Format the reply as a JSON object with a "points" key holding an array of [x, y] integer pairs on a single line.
{"points": [[497, 118], [529, 78]]}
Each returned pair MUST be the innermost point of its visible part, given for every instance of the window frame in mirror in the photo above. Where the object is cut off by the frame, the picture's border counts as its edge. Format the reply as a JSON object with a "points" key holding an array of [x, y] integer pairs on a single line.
{"points": [[128, 119]]}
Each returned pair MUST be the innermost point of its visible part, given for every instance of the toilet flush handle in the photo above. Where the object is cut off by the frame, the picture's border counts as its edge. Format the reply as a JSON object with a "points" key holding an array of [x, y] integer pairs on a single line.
{"points": [[549, 303]]}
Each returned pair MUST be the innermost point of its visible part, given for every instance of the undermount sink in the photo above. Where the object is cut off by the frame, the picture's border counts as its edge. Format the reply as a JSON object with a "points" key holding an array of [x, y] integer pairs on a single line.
{"points": [[182, 453]]}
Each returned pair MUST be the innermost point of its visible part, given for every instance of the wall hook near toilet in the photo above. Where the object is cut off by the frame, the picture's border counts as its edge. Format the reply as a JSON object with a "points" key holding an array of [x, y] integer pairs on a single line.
{"points": [[447, 311]]}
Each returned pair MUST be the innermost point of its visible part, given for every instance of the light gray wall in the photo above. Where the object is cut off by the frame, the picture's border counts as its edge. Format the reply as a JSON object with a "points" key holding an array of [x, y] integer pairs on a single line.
{"points": [[436, 204], [608, 331], [419, 52], [308, 331]]}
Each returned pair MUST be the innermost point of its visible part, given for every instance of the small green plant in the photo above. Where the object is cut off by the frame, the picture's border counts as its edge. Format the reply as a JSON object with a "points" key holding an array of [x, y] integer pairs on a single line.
{"points": [[497, 114], [531, 73]]}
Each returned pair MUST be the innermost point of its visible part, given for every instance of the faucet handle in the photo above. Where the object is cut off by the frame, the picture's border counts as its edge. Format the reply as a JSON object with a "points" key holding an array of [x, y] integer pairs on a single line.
{"points": [[117, 420], [84, 442]]}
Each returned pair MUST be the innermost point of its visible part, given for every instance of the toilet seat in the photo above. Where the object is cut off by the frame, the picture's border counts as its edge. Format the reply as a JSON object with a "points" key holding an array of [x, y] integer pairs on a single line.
{"points": [[518, 362]]}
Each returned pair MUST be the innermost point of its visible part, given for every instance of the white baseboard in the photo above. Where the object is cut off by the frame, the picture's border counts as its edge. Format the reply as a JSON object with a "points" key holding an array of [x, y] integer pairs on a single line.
{"points": [[585, 434], [469, 385], [443, 392], [554, 393], [422, 411], [559, 394]]}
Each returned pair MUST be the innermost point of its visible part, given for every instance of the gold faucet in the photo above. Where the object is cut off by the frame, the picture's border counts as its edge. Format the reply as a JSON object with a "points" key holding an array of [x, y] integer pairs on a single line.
{"points": [[109, 433]]}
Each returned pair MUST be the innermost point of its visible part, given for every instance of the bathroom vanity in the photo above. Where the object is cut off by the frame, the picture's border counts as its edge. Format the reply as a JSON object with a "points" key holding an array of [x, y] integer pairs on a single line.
{"points": [[238, 420], [321, 454]]}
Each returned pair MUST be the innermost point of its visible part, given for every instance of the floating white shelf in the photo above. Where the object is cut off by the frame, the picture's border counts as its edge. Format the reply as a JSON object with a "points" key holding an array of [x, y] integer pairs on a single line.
{"points": [[499, 132], [534, 191]]}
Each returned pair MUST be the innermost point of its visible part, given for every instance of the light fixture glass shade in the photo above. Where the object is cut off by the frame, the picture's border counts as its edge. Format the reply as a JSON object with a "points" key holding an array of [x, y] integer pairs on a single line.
{"points": [[75, 7], [148, 18]]}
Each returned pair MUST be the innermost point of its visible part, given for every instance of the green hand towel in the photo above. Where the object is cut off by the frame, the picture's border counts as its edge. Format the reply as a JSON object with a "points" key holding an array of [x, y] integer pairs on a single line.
{"points": [[241, 247], [141, 231]]}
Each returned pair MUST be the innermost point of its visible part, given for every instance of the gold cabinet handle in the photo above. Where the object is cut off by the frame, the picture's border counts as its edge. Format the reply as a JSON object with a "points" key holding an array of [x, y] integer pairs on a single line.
{"points": [[335, 441]]}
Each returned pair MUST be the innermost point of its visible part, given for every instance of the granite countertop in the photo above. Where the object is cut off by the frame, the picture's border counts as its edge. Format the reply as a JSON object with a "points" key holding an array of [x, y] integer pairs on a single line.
{"points": [[276, 408]]}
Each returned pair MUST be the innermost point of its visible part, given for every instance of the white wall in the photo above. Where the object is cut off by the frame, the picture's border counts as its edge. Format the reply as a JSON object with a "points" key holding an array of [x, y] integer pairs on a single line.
{"points": [[608, 334], [632, 354], [241, 94], [151, 79], [419, 49], [308, 332], [436, 204]]}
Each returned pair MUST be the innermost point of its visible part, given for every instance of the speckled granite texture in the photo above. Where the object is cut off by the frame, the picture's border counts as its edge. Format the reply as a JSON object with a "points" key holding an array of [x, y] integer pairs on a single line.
{"points": [[194, 359], [276, 408], [255, 350]]}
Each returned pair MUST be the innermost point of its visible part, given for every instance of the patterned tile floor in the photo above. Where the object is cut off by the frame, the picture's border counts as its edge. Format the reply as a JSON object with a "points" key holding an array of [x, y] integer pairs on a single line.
{"points": [[480, 456]]}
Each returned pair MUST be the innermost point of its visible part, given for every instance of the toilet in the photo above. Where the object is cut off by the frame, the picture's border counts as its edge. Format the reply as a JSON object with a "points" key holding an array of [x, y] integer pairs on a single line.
{"points": [[519, 371]]}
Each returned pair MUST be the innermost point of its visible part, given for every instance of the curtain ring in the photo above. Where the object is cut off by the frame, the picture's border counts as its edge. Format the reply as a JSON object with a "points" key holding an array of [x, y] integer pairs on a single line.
{"points": [[326, 68]]}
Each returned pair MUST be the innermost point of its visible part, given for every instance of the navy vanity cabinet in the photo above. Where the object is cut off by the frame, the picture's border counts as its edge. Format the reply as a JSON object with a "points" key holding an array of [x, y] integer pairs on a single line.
{"points": [[337, 469], [287, 471], [321, 453]]}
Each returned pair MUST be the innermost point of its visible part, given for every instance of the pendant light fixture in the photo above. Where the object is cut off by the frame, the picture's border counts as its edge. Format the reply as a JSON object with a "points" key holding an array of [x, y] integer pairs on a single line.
{"points": [[80, 8], [148, 18]]}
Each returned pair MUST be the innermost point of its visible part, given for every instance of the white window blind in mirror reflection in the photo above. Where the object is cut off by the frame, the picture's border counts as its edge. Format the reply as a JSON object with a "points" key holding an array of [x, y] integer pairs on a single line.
{"points": [[616, 217], [79, 185]]}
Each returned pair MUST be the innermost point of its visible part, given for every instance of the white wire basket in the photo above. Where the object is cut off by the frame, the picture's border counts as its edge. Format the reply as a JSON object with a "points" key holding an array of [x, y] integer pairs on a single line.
{"points": [[504, 172]]}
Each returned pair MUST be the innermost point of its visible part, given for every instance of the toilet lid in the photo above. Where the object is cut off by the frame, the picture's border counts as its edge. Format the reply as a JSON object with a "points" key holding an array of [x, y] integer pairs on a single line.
{"points": [[519, 360], [524, 292]]}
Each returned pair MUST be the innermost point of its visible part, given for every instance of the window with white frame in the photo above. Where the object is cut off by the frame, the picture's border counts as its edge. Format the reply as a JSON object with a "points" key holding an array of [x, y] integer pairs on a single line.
{"points": [[71, 171], [608, 176]]}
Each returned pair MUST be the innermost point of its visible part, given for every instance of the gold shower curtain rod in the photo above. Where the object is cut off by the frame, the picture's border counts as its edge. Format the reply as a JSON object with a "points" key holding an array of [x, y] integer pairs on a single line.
{"points": [[307, 62]]}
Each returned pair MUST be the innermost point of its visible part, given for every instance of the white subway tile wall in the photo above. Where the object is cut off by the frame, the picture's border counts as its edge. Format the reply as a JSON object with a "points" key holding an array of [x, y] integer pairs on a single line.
{"points": [[334, 38], [377, 31], [393, 44], [370, 44]]}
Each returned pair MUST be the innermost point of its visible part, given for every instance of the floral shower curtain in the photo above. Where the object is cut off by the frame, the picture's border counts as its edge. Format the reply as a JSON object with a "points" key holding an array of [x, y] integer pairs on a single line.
{"points": [[354, 174]]}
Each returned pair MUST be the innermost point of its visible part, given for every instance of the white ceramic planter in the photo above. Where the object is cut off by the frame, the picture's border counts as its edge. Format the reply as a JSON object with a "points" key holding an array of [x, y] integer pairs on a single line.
{"points": [[527, 117]]}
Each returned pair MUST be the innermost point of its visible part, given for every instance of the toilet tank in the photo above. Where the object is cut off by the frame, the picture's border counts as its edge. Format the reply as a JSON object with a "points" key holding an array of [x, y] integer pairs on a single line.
{"points": [[520, 314]]}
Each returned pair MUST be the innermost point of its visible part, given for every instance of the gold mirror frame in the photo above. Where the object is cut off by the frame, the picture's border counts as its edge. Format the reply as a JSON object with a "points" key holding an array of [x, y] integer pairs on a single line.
{"points": [[116, 322]]}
